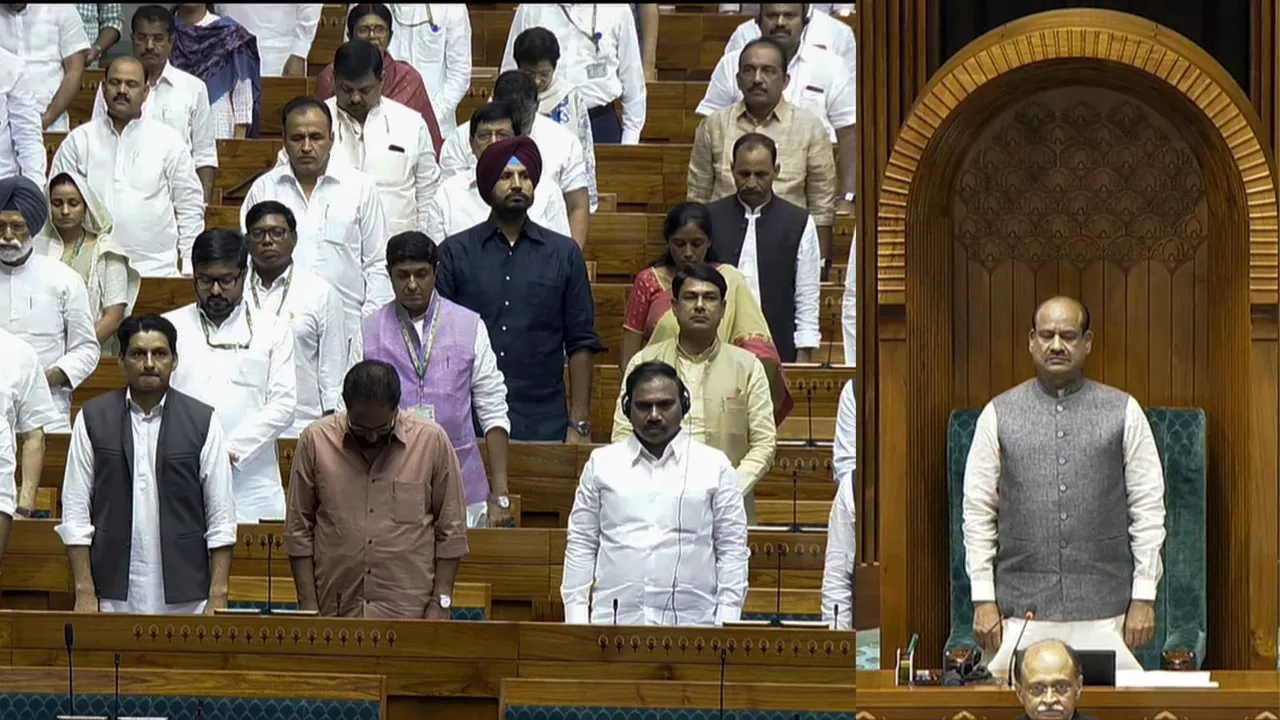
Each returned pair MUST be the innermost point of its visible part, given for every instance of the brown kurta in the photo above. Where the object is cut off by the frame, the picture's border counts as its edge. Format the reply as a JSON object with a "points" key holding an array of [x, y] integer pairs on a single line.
{"points": [[375, 531]]}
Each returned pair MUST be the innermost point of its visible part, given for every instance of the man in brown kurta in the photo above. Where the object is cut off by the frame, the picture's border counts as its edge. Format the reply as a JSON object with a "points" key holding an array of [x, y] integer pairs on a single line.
{"points": [[375, 524]]}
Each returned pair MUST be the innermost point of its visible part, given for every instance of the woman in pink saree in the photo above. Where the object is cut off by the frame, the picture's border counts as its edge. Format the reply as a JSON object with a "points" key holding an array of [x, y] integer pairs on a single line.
{"points": [[687, 230]]}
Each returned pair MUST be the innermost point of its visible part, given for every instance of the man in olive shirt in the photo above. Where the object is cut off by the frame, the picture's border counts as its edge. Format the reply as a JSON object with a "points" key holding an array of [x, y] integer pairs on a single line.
{"points": [[375, 524]]}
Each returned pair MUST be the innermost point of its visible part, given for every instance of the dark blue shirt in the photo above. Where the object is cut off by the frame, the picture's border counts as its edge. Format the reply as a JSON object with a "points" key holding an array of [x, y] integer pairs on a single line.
{"points": [[535, 299]]}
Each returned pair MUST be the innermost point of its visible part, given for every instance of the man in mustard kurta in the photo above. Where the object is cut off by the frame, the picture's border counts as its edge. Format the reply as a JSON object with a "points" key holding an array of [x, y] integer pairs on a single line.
{"points": [[732, 409]]}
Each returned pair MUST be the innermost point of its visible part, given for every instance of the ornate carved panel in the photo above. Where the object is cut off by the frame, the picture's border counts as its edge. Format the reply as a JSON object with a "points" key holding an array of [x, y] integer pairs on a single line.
{"points": [[1078, 175]]}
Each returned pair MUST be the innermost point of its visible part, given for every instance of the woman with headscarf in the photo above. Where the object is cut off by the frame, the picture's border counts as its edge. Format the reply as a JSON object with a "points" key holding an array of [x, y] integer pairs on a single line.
{"points": [[224, 55], [79, 234], [649, 319], [402, 83]]}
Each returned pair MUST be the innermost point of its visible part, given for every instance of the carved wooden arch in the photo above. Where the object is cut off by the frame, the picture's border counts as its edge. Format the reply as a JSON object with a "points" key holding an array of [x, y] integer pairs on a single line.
{"points": [[1084, 35]]}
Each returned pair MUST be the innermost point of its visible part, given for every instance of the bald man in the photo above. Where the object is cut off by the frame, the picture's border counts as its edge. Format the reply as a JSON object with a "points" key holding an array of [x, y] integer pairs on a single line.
{"points": [[1063, 505], [1049, 682]]}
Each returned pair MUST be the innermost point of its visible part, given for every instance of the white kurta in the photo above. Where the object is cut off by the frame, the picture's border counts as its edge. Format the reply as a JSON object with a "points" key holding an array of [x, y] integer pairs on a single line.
{"points": [[849, 305], [837, 573], [44, 35], [808, 276], [254, 390], [21, 136], [665, 538], [823, 32], [393, 147], [147, 179], [457, 206], [146, 568], [313, 310], [844, 454], [25, 405], [45, 303], [435, 38], [342, 233], [281, 29], [181, 101]]}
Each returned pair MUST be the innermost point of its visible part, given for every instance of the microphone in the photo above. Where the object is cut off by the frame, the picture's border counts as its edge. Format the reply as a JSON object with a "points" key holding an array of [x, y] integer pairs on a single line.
{"points": [[777, 609], [69, 638], [116, 712], [200, 710], [795, 496], [831, 343], [339, 604], [615, 611], [835, 616], [271, 543], [1027, 617], [808, 394], [724, 660]]}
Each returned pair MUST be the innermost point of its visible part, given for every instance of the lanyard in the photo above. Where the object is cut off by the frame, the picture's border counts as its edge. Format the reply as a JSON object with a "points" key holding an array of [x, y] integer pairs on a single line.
{"points": [[204, 325], [594, 36], [421, 357], [288, 280], [431, 19]]}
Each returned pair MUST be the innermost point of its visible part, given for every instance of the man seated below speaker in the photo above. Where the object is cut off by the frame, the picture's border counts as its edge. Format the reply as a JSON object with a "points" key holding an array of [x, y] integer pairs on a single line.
{"points": [[655, 504], [1049, 681], [730, 407], [1063, 505]]}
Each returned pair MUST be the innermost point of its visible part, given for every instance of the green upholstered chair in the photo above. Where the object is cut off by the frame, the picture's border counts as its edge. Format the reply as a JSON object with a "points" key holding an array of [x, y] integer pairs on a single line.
{"points": [[1180, 599]]}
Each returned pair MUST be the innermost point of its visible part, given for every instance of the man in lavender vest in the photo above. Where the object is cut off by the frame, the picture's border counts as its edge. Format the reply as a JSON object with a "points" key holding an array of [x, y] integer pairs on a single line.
{"points": [[447, 370]]}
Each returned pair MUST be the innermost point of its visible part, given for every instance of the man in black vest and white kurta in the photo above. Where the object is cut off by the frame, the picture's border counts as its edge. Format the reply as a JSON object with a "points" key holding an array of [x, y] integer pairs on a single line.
{"points": [[149, 517], [1063, 505], [775, 245]]}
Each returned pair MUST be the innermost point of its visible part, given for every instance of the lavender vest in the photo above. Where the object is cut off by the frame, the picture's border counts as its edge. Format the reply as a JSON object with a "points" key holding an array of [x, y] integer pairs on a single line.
{"points": [[446, 385]]}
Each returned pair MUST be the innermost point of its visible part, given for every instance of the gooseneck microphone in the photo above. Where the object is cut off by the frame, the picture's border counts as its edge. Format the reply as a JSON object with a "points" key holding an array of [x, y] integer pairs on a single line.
{"points": [[777, 608], [615, 611], [795, 497], [69, 639], [724, 660], [831, 344], [116, 710], [271, 543], [1013, 656], [808, 394]]}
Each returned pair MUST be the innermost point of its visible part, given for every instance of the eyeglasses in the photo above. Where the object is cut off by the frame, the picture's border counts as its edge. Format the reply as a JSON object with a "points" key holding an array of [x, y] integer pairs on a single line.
{"points": [[378, 31], [226, 282], [275, 233], [1060, 688]]}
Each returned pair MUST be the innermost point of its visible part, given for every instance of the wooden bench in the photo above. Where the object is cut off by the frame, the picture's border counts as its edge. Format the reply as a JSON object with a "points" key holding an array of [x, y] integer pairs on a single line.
{"points": [[251, 591], [674, 697]]}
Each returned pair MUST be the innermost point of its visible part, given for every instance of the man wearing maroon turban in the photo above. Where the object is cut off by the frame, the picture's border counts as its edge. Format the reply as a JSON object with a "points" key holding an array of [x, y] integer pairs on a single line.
{"points": [[530, 286]]}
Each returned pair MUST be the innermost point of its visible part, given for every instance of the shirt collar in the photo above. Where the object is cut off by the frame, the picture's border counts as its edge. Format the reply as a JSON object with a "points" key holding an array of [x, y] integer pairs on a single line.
{"points": [[675, 450], [781, 113], [531, 230], [133, 407], [397, 433], [280, 279], [708, 354], [756, 212], [236, 316], [167, 74]]}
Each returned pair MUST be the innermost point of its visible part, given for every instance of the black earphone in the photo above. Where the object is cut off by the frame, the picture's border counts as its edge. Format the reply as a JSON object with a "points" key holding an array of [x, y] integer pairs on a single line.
{"points": [[660, 369]]}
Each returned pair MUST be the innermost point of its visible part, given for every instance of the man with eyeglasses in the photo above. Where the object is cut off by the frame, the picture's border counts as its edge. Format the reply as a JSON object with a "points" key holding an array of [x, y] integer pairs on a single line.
{"points": [[377, 524], [322, 351], [1049, 681], [241, 364]]}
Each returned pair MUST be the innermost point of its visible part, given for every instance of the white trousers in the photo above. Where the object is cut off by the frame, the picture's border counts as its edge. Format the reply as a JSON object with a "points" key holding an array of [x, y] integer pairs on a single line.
{"points": [[1105, 634]]}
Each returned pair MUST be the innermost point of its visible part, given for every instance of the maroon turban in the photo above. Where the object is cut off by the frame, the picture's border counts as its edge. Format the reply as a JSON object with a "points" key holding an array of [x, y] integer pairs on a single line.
{"points": [[495, 158]]}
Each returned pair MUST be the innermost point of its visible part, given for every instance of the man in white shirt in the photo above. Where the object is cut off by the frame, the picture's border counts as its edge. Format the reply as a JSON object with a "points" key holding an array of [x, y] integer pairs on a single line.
{"points": [[435, 38], [849, 304], [823, 31], [241, 364], [21, 137], [142, 170], [284, 31], [342, 229], [600, 54], [42, 300], [775, 245], [835, 9], [564, 163], [132, 548], [175, 98], [51, 40], [658, 529], [818, 81], [457, 205], [26, 408], [837, 572], [448, 372], [387, 141], [310, 306], [1084, 559], [844, 454]]}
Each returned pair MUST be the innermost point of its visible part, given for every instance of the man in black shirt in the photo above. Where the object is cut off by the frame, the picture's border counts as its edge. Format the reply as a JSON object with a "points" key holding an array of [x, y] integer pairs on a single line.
{"points": [[530, 286], [1049, 680]]}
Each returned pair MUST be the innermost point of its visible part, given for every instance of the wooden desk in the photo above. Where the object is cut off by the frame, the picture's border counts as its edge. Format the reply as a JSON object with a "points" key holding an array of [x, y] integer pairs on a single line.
{"points": [[433, 669], [1253, 695], [627, 695]]}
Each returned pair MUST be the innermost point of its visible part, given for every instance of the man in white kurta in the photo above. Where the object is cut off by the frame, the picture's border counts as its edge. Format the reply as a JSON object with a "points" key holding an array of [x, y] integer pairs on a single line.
{"points": [[25, 408], [143, 171], [21, 137], [50, 39], [658, 530], [822, 31], [146, 352], [44, 301], [837, 572], [284, 32], [322, 352], [435, 38], [342, 229], [240, 363]]}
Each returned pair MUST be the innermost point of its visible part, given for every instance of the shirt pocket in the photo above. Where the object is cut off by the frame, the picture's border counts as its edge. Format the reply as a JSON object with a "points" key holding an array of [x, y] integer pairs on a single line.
{"points": [[408, 501], [735, 419], [813, 99], [45, 313], [144, 178], [251, 373]]}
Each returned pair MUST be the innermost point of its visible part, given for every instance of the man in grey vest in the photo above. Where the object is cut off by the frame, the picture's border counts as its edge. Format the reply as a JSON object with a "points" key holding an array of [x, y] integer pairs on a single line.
{"points": [[149, 518], [775, 245], [1063, 505]]}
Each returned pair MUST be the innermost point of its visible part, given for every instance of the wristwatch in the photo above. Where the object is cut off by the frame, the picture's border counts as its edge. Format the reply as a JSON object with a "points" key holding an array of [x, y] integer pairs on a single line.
{"points": [[582, 428], [22, 512], [501, 501], [850, 197], [444, 601]]}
